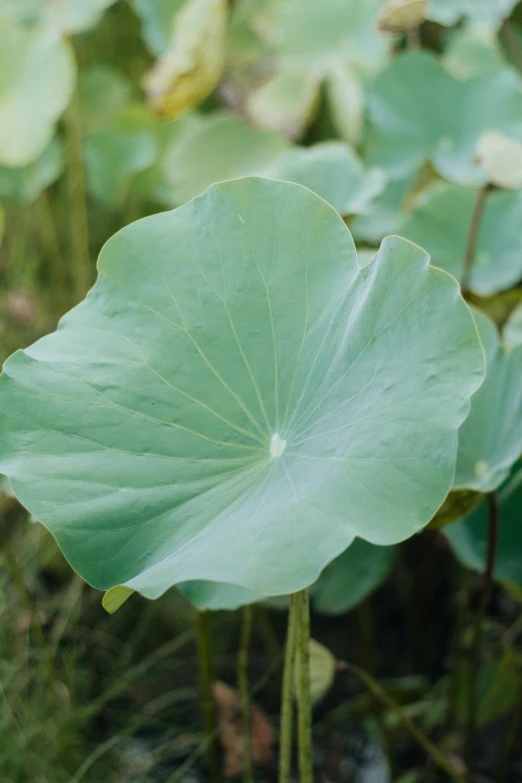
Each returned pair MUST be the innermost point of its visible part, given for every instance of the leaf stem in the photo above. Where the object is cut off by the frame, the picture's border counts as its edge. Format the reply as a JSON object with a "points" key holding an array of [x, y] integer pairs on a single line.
{"points": [[433, 752], [304, 697], [242, 680], [413, 42], [79, 224], [287, 705], [206, 678], [472, 238], [474, 659]]}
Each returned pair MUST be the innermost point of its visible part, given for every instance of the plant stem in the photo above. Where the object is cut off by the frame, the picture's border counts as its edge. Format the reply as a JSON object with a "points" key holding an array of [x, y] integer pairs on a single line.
{"points": [[472, 239], [474, 659], [509, 742], [206, 678], [242, 680], [413, 43], [78, 203], [512, 44], [52, 243], [304, 698], [287, 705], [433, 752]]}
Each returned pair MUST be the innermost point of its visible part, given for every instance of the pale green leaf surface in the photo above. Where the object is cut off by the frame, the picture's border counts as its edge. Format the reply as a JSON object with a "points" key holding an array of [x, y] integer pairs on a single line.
{"points": [[219, 147], [351, 577], [157, 20], [116, 597], [216, 596], [63, 16], [512, 332], [420, 112], [472, 50], [468, 537], [144, 432], [440, 223], [23, 184], [386, 213], [490, 440], [37, 80], [333, 171], [490, 13], [347, 101], [286, 103]]}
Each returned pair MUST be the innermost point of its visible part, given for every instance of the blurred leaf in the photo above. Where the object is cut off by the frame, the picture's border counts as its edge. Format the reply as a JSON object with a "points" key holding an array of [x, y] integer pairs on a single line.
{"points": [[285, 103], [512, 333], [23, 184], [116, 597], [501, 159], [103, 93], [217, 596], [398, 16], [116, 153], [333, 171], [490, 439], [420, 112], [468, 537], [440, 223], [191, 67], [157, 19], [347, 100], [323, 667], [489, 13], [472, 50], [37, 81], [351, 577], [222, 147], [63, 16], [499, 686], [386, 213], [458, 504]]}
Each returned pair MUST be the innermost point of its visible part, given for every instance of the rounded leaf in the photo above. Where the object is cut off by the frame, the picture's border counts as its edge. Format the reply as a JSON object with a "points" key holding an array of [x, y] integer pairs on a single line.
{"points": [[501, 159], [142, 431]]}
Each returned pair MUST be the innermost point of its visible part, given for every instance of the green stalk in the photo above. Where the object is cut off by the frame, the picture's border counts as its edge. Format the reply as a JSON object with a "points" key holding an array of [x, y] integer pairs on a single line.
{"points": [[304, 699], [509, 741], [474, 660], [206, 678], [242, 680], [79, 225], [287, 705], [432, 751], [473, 232]]}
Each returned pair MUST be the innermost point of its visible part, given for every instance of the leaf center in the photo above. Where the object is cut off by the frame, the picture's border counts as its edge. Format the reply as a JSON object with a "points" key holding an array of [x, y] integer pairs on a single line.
{"points": [[277, 445]]}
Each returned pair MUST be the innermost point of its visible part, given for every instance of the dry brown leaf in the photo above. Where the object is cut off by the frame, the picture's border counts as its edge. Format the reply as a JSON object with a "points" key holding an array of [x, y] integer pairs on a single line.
{"points": [[263, 736]]}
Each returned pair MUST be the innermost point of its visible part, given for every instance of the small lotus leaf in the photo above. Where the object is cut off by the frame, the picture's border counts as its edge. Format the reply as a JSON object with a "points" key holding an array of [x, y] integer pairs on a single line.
{"points": [[286, 103], [420, 112], [501, 159], [236, 399], [512, 333], [157, 20], [218, 147], [490, 440], [116, 153], [472, 50], [37, 80], [191, 67], [23, 184], [351, 577], [333, 171], [386, 213], [440, 223], [489, 13], [468, 537]]}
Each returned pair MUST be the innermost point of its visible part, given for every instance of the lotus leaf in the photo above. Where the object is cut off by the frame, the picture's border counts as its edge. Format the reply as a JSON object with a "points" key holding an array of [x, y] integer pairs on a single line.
{"points": [[440, 223], [513, 328], [65, 16], [37, 80], [472, 50], [485, 12], [420, 112], [236, 399], [157, 20]]}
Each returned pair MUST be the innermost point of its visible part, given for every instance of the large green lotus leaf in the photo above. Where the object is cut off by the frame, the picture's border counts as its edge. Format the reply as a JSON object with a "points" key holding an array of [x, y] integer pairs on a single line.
{"points": [[440, 223], [236, 399], [157, 19], [23, 184], [420, 112], [116, 153], [468, 537], [64, 16], [103, 93], [490, 440], [37, 80], [513, 329], [489, 13], [216, 596], [333, 171], [472, 50], [335, 41], [351, 577], [386, 213], [222, 147]]}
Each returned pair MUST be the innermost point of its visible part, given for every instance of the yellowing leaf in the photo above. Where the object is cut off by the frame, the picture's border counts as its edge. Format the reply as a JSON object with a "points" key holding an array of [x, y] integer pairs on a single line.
{"points": [[116, 597], [323, 666], [501, 159], [400, 15], [192, 66]]}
